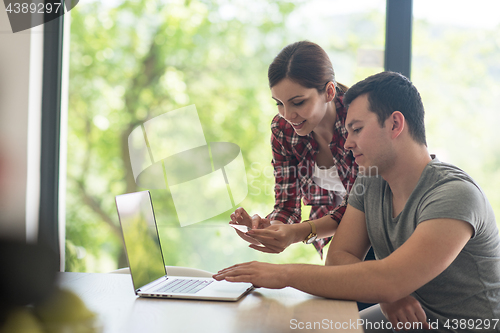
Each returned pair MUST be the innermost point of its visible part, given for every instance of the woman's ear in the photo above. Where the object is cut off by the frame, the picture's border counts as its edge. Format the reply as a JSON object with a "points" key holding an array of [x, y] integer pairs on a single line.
{"points": [[330, 91], [397, 123]]}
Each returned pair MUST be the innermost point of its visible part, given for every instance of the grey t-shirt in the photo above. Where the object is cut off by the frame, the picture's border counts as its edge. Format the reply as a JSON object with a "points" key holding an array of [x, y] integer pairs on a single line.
{"points": [[470, 287]]}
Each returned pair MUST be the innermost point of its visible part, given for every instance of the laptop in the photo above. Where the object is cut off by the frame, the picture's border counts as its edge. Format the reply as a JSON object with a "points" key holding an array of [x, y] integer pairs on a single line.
{"points": [[145, 258]]}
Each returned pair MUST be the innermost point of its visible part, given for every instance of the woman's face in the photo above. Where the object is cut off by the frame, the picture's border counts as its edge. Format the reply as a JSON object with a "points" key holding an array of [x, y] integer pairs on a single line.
{"points": [[303, 108]]}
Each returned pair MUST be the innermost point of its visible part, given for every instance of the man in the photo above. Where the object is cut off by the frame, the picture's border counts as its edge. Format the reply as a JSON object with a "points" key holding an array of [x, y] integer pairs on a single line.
{"points": [[431, 227]]}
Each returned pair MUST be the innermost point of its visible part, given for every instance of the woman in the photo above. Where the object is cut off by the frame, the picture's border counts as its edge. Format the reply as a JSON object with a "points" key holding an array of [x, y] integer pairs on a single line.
{"points": [[309, 159]]}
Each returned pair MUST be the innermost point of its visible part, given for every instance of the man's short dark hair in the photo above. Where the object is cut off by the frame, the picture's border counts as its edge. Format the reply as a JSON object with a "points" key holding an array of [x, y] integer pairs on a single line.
{"points": [[388, 92]]}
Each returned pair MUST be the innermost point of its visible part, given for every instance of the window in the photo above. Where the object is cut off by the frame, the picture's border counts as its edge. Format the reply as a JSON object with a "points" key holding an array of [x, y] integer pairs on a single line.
{"points": [[456, 57], [134, 60]]}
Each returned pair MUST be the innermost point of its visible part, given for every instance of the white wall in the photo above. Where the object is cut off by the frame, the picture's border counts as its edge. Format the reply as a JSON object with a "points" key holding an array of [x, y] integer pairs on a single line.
{"points": [[19, 133]]}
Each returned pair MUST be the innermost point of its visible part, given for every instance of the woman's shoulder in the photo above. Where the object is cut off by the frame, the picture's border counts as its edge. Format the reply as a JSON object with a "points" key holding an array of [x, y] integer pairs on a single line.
{"points": [[281, 128], [279, 122], [340, 106], [283, 135]]}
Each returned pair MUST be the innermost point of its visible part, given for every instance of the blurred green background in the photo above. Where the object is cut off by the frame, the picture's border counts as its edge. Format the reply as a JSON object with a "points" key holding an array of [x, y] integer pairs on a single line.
{"points": [[131, 61]]}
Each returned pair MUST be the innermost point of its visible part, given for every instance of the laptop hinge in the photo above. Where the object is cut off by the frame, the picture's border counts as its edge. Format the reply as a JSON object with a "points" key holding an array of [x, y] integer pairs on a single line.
{"points": [[153, 284]]}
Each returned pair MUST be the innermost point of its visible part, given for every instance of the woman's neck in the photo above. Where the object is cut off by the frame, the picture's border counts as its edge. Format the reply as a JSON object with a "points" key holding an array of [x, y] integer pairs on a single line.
{"points": [[327, 124]]}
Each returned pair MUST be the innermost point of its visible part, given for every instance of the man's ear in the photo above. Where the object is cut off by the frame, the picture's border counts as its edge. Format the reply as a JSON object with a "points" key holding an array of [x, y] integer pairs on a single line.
{"points": [[330, 91], [397, 123]]}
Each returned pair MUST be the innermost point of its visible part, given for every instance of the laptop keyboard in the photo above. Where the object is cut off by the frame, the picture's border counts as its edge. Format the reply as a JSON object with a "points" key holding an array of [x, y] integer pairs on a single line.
{"points": [[184, 286]]}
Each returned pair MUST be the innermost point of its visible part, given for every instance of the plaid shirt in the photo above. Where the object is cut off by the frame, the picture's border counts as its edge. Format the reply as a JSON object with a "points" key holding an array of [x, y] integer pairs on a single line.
{"points": [[294, 158]]}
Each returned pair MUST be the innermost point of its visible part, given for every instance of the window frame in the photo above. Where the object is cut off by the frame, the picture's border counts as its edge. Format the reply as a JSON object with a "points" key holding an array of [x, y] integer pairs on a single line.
{"points": [[48, 225]]}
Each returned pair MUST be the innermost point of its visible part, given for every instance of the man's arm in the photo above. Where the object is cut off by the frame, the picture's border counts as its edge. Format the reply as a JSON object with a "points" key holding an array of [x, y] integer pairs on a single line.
{"points": [[433, 246], [428, 252], [351, 242]]}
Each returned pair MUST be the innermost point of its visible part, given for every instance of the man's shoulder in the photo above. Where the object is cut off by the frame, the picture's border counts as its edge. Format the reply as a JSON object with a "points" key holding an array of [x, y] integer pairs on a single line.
{"points": [[438, 174], [447, 191]]}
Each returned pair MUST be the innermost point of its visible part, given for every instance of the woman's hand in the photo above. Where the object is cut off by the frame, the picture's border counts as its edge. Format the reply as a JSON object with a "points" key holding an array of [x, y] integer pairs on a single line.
{"points": [[406, 310], [278, 236], [240, 216], [267, 237]]}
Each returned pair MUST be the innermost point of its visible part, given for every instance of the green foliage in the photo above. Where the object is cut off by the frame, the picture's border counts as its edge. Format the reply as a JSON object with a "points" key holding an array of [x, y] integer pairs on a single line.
{"points": [[140, 59]]}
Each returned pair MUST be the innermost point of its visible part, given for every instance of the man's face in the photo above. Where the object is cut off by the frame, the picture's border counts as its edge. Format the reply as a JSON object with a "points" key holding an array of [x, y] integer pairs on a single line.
{"points": [[369, 142]]}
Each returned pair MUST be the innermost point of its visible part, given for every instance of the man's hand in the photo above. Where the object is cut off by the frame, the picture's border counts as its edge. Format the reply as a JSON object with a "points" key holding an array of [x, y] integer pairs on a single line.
{"points": [[406, 310], [257, 273]]}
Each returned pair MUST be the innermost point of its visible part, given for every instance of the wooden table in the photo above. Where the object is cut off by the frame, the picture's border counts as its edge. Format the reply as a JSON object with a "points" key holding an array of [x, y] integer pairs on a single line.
{"points": [[261, 311]]}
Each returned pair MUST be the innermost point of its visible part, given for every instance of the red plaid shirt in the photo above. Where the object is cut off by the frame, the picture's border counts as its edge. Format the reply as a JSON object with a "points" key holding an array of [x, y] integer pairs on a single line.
{"points": [[294, 158]]}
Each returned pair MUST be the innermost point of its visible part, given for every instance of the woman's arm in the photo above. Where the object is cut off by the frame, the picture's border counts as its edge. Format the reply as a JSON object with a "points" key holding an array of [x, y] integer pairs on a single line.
{"points": [[287, 195]]}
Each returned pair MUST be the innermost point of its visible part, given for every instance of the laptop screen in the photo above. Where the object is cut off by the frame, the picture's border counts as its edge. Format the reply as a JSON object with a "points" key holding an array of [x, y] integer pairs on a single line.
{"points": [[140, 235]]}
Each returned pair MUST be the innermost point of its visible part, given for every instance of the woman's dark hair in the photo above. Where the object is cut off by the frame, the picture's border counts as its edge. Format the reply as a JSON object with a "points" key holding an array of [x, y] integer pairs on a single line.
{"points": [[305, 63]]}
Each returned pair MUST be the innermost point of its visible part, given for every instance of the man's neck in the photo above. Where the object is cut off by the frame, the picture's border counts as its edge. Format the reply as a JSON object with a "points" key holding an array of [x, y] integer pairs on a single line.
{"points": [[405, 173]]}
